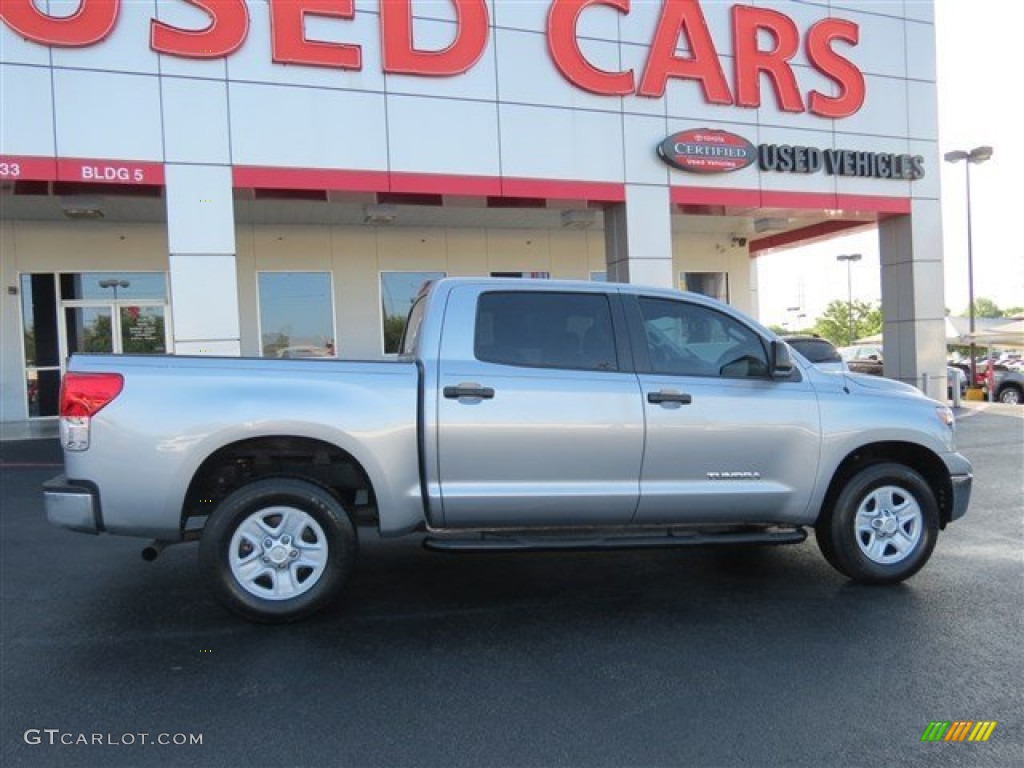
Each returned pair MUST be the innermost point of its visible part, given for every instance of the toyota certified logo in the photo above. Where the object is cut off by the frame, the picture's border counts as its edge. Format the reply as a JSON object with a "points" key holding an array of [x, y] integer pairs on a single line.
{"points": [[705, 150]]}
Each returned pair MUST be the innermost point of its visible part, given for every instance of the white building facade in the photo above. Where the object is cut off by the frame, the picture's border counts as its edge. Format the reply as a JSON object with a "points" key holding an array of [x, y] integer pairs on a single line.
{"points": [[279, 177]]}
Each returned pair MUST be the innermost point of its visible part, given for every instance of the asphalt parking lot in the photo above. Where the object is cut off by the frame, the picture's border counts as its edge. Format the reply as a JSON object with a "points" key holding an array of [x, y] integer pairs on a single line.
{"points": [[694, 657]]}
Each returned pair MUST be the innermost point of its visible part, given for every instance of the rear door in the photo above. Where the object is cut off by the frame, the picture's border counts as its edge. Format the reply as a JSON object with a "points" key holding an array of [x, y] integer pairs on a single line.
{"points": [[725, 443], [539, 417]]}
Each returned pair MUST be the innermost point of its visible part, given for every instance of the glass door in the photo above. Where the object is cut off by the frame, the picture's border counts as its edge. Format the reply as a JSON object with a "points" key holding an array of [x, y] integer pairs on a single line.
{"points": [[89, 329]]}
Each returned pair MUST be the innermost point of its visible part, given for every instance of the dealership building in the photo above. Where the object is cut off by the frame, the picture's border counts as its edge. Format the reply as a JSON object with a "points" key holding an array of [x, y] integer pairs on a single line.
{"points": [[279, 178]]}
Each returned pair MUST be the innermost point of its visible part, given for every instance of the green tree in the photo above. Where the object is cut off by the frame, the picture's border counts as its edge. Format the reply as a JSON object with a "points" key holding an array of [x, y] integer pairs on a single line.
{"points": [[986, 308], [834, 324]]}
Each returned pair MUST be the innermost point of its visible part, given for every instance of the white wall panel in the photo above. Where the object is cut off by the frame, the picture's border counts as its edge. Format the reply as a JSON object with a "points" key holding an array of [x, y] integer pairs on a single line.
{"points": [[307, 127], [920, 10], [685, 99], [807, 79], [204, 299], [548, 143], [126, 49], [200, 210], [433, 136], [107, 115], [532, 16], [480, 82], [929, 187], [17, 50], [882, 46], [641, 137], [891, 8], [254, 62], [920, 50], [195, 114], [26, 114], [526, 74], [922, 111], [884, 112]]}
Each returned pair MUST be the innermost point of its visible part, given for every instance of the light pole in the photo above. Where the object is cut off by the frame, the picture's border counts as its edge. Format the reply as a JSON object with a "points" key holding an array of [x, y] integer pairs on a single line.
{"points": [[975, 156], [115, 284], [849, 258]]}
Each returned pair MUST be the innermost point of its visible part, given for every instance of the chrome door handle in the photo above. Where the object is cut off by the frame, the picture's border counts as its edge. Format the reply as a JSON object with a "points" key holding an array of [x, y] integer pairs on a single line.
{"points": [[468, 390], [668, 396]]}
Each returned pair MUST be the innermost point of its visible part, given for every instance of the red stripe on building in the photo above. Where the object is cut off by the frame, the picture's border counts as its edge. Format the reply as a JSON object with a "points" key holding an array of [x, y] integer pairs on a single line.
{"points": [[110, 171], [309, 178], [27, 168]]}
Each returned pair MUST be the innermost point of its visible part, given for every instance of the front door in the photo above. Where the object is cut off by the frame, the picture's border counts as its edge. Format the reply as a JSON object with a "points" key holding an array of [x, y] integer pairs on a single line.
{"points": [[539, 417], [725, 442]]}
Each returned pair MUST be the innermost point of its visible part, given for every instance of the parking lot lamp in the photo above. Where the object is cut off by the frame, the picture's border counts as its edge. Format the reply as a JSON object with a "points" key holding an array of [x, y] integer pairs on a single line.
{"points": [[976, 155], [849, 258]]}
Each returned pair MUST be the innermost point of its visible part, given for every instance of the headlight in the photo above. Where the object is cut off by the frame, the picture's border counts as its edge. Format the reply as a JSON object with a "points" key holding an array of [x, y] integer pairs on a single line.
{"points": [[945, 415]]}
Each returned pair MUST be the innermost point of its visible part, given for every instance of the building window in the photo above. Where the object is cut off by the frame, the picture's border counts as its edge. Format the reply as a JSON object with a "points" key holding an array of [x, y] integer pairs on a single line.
{"points": [[296, 314], [398, 292], [713, 284], [598, 277], [531, 275]]}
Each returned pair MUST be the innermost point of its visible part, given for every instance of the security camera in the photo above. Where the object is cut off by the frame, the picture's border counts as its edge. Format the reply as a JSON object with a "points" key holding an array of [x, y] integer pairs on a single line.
{"points": [[739, 242]]}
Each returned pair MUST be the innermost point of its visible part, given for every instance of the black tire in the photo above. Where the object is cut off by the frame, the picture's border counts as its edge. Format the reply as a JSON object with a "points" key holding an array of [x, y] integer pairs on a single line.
{"points": [[312, 549], [892, 551], [1010, 394]]}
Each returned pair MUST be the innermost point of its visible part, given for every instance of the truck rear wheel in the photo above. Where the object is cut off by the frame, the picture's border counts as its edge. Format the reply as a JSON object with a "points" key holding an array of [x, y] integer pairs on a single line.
{"points": [[277, 549], [883, 526]]}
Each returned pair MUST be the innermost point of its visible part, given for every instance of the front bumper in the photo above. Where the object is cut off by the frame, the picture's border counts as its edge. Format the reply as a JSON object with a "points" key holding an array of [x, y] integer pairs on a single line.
{"points": [[961, 495], [72, 504]]}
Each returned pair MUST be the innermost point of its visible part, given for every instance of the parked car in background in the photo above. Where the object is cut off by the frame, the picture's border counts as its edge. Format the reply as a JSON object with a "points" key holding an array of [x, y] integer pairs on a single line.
{"points": [[821, 352], [1008, 384], [863, 358]]}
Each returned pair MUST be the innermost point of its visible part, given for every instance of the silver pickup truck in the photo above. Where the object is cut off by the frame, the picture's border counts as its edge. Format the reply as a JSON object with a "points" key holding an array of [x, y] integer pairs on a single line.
{"points": [[520, 415]]}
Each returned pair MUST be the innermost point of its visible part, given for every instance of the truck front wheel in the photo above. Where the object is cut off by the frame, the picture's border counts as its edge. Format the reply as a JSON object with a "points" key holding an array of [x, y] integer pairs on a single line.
{"points": [[883, 526], [277, 549]]}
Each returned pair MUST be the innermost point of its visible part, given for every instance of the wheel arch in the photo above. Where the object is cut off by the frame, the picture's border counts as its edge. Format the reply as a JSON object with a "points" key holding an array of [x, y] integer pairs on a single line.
{"points": [[237, 463], [917, 457]]}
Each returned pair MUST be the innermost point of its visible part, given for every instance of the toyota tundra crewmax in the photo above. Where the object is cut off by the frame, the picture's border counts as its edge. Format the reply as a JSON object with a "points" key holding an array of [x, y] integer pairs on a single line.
{"points": [[519, 415]]}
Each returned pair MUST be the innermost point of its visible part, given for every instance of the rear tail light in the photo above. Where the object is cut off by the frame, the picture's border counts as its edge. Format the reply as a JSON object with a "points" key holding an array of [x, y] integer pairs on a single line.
{"points": [[82, 396]]}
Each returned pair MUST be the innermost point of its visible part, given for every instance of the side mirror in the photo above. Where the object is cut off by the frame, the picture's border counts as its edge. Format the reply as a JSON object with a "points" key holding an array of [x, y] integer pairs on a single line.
{"points": [[781, 363]]}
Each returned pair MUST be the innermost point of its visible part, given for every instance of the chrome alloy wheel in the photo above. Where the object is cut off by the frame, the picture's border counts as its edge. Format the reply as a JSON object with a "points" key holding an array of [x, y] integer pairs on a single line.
{"points": [[278, 553], [889, 524]]}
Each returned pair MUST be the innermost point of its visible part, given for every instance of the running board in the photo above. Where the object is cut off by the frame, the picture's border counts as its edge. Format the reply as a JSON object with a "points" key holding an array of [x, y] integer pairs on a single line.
{"points": [[511, 542]]}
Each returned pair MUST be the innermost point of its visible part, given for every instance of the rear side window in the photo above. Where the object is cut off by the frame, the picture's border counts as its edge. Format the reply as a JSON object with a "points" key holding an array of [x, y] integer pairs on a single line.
{"points": [[546, 329]]}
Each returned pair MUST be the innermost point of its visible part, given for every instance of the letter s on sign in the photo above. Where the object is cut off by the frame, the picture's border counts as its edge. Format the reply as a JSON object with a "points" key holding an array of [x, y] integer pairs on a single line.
{"points": [[227, 30], [840, 70], [93, 21]]}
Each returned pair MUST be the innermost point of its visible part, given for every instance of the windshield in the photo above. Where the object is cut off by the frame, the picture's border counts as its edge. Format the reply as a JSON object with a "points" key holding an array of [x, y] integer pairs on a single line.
{"points": [[411, 334]]}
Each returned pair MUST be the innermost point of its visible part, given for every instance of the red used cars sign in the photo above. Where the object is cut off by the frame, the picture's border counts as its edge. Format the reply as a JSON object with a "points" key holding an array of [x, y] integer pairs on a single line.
{"points": [[705, 150]]}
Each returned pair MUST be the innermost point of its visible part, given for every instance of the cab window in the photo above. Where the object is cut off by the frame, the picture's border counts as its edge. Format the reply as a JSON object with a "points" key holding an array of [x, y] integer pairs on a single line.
{"points": [[546, 329], [686, 339]]}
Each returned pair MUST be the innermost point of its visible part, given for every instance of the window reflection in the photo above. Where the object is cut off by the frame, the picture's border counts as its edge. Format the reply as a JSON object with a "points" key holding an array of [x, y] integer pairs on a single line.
{"points": [[113, 285], [713, 284], [398, 292], [296, 314]]}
